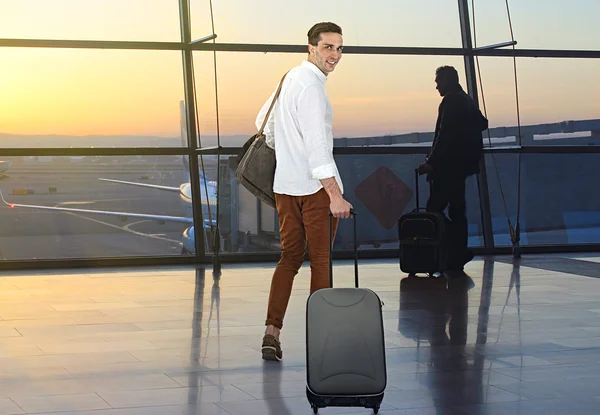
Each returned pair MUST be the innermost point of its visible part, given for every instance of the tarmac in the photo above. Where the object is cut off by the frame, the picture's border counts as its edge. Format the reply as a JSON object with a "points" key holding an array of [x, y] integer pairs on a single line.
{"points": [[38, 234]]}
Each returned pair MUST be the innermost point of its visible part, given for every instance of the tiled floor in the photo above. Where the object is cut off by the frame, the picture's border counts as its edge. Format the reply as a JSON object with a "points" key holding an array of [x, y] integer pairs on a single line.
{"points": [[516, 339]]}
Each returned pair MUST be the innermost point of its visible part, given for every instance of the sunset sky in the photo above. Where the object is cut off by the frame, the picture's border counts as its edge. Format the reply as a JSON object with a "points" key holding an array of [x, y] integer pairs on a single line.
{"points": [[82, 92]]}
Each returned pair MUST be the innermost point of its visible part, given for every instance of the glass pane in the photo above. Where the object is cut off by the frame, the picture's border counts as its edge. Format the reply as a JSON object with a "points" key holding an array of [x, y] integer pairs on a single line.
{"points": [[539, 25], [373, 23], [90, 98], [560, 92], [157, 20], [129, 220], [399, 97], [559, 205], [249, 226]]}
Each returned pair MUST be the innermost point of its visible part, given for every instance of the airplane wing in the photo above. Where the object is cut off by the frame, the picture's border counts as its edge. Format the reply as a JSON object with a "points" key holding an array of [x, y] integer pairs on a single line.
{"points": [[162, 218], [153, 186]]}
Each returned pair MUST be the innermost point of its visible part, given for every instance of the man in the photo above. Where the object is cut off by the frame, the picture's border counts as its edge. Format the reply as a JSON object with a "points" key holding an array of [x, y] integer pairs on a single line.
{"points": [[307, 184], [454, 156]]}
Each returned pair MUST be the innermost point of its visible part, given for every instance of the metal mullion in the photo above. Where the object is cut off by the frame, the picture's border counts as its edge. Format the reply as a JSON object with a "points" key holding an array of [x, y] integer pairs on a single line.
{"points": [[540, 53], [367, 50], [96, 151], [284, 48], [190, 108], [399, 50], [390, 150], [91, 44], [110, 262], [106, 262], [471, 80], [559, 149]]}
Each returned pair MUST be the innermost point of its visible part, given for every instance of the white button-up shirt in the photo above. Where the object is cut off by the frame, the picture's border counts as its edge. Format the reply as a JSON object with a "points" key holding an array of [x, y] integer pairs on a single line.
{"points": [[299, 129]]}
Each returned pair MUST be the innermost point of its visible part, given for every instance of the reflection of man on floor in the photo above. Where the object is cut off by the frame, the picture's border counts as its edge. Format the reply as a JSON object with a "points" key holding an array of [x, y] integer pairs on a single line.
{"points": [[445, 303], [455, 154], [442, 304]]}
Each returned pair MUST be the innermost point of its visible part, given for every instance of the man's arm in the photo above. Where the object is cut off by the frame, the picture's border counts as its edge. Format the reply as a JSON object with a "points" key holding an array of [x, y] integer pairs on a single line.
{"points": [[331, 187], [311, 119]]}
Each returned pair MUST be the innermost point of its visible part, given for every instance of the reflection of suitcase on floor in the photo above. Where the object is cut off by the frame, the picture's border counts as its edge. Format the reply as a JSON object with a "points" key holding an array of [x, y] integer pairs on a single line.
{"points": [[422, 301], [422, 237], [345, 346]]}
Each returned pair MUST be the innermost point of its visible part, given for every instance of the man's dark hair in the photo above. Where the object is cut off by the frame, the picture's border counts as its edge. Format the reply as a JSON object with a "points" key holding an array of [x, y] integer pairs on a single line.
{"points": [[314, 34], [448, 73]]}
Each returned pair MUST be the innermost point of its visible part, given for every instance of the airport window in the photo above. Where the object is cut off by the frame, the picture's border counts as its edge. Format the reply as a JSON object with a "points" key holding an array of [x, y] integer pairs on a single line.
{"points": [[90, 20], [557, 203], [371, 96], [105, 90], [95, 207], [573, 24], [246, 225], [557, 103], [372, 23], [91, 98]]}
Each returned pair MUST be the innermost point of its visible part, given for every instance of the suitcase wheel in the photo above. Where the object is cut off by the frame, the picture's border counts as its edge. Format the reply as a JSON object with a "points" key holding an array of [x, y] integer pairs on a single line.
{"points": [[315, 408], [376, 409]]}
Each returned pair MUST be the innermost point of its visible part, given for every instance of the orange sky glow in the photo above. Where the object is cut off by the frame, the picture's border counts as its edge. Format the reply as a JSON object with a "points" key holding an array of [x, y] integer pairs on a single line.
{"points": [[114, 92]]}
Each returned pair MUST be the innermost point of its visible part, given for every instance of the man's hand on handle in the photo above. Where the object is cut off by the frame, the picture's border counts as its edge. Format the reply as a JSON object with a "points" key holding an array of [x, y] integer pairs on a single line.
{"points": [[340, 208], [424, 168]]}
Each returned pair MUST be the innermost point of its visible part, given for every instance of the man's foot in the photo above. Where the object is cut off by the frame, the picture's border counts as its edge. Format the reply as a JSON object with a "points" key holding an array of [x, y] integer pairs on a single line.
{"points": [[271, 348], [459, 265]]}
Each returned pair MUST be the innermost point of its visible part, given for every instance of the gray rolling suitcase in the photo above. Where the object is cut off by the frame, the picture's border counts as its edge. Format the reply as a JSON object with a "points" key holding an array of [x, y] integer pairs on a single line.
{"points": [[345, 346]]}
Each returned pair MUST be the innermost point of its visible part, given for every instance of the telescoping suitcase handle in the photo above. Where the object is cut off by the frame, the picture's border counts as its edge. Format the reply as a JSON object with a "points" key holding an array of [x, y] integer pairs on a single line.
{"points": [[417, 188], [353, 213], [417, 206]]}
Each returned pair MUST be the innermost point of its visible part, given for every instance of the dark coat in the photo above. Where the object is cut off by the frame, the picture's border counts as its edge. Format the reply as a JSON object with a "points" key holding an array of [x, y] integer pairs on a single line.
{"points": [[457, 145]]}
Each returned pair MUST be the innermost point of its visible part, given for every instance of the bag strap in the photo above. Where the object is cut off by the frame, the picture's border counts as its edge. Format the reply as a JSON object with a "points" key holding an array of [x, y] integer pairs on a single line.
{"points": [[272, 104]]}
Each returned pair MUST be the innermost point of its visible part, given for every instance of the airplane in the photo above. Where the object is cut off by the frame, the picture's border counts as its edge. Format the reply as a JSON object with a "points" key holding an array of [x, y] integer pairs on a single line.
{"points": [[208, 195]]}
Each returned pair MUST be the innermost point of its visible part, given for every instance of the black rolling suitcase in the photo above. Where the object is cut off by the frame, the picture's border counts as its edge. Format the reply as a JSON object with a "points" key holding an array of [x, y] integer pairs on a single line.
{"points": [[345, 346], [423, 239]]}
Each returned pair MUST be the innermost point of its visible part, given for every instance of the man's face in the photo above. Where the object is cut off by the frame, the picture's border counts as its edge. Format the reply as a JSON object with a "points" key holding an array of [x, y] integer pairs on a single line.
{"points": [[441, 84], [327, 53]]}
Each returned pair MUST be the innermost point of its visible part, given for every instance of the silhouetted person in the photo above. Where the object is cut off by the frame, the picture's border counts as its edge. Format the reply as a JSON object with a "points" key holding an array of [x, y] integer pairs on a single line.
{"points": [[454, 156]]}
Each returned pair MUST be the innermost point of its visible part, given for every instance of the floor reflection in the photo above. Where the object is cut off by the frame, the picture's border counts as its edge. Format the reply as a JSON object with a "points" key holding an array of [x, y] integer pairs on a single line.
{"points": [[514, 288], [428, 304], [485, 300], [199, 346], [515, 338], [271, 383], [434, 312]]}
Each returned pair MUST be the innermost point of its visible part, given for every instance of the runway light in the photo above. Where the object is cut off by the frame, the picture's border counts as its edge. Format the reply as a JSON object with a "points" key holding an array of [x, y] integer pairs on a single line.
{"points": [[12, 205]]}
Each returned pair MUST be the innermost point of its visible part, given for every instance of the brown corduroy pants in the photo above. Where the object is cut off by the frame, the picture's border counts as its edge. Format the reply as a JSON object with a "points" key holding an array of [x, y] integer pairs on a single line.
{"points": [[302, 220]]}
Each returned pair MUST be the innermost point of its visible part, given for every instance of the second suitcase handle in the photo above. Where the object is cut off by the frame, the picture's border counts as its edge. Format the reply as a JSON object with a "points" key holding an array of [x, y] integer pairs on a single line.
{"points": [[353, 213], [417, 206], [417, 188]]}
